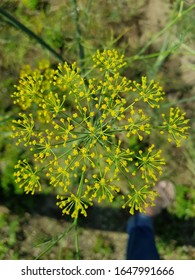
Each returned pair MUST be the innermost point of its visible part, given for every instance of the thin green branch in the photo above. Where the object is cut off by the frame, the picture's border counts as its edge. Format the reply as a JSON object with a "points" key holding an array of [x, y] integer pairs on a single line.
{"points": [[76, 237], [78, 35], [165, 29], [14, 22], [55, 241]]}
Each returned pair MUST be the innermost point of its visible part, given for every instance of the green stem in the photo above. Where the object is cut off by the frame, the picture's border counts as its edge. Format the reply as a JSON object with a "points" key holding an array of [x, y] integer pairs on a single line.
{"points": [[160, 59], [165, 50], [14, 22], [76, 235], [78, 35], [167, 27], [76, 238], [55, 241]]}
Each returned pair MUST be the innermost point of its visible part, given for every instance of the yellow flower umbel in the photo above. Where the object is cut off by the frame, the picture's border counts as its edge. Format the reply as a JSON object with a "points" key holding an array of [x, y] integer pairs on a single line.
{"points": [[23, 128], [149, 92], [109, 60], [150, 164], [139, 199], [26, 178], [77, 133], [72, 205], [176, 125]]}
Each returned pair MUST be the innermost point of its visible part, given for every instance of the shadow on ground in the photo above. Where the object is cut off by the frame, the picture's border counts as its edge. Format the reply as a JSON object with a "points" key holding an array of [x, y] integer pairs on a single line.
{"points": [[167, 226]]}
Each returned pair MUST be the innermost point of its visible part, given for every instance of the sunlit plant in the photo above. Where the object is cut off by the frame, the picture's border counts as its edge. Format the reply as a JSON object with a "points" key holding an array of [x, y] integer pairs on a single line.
{"points": [[77, 130]]}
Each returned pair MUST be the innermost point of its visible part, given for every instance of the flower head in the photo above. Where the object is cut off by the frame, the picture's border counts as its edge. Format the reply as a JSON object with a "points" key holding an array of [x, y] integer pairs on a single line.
{"points": [[78, 134], [139, 199], [176, 125], [149, 164], [109, 60], [149, 92], [26, 178], [23, 128], [72, 205]]}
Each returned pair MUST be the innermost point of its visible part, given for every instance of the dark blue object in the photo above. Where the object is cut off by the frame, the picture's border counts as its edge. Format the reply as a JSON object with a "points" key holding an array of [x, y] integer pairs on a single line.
{"points": [[141, 242]]}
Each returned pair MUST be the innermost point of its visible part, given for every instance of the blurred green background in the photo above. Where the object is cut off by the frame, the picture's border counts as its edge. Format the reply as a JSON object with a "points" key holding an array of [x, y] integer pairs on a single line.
{"points": [[157, 38]]}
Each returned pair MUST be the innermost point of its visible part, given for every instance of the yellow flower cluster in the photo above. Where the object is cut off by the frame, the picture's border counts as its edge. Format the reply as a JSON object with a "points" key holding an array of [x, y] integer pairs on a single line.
{"points": [[176, 125], [72, 205], [109, 60], [77, 133], [26, 178], [139, 199], [33, 86], [23, 128], [150, 93], [102, 188], [150, 164]]}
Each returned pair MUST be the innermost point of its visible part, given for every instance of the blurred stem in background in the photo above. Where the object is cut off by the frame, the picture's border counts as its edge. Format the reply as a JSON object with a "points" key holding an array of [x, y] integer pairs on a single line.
{"points": [[14, 22], [78, 35], [178, 14]]}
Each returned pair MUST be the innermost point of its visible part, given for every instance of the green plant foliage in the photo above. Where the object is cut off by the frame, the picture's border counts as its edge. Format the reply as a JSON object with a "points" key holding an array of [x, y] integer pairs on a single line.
{"points": [[30, 4], [184, 205], [8, 231], [73, 31], [103, 246]]}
